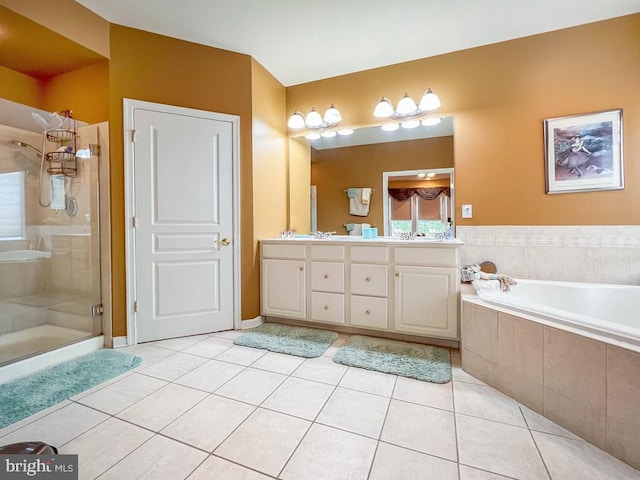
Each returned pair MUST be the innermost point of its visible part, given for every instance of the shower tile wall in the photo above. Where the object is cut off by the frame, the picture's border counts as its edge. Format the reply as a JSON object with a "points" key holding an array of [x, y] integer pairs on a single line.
{"points": [[600, 254]]}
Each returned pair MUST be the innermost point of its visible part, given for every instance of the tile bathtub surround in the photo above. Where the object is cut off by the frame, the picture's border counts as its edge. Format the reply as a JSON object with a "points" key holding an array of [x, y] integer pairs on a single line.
{"points": [[599, 254], [188, 416], [588, 387]]}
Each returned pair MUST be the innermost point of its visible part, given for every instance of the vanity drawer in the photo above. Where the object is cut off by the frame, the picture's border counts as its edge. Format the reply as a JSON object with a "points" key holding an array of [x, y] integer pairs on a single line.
{"points": [[327, 277], [283, 250], [369, 254], [327, 307], [327, 252], [433, 257], [369, 312], [369, 279]]}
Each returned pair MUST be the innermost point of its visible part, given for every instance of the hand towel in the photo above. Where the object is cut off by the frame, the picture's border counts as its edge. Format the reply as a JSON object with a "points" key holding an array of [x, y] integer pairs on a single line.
{"points": [[351, 192], [366, 195], [349, 226], [57, 192], [356, 207]]}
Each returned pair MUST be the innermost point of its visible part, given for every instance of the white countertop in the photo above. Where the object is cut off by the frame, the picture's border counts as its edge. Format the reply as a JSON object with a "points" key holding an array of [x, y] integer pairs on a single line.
{"points": [[418, 241]]}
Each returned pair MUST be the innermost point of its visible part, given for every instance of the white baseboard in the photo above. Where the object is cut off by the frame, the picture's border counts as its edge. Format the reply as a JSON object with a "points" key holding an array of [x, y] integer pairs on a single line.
{"points": [[252, 323], [120, 342], [47, 359]]}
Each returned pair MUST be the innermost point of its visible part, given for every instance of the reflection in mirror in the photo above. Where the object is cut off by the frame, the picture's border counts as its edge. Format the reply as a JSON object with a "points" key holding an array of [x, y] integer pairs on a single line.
{"points": [[358, 161], [418, 201]]}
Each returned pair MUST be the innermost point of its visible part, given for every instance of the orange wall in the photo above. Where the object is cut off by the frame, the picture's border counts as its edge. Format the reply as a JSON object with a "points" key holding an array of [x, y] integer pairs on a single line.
{"points": [[269, 170], [335, 170], [155, 68], [84, 91], [499, 96], [20, 88]]}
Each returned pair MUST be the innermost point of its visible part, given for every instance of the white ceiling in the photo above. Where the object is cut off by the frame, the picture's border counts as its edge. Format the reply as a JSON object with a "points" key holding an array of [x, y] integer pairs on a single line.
{"points": [[300, 41]]}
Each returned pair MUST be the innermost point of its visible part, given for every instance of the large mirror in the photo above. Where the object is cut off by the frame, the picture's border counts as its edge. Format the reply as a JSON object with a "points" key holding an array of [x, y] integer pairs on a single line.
{"points": [[415, 164]]}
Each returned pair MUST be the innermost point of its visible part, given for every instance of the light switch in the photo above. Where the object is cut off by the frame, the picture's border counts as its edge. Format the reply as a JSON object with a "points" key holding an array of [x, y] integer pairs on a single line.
{"points": [[467, 211]]}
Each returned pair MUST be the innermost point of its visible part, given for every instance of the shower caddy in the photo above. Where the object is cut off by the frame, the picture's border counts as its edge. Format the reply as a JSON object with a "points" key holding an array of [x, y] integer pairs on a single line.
{"points": [[63, 163]]}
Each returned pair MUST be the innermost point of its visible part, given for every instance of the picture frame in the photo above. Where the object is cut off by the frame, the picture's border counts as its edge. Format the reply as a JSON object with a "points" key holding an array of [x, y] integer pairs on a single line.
{"points": [[583, 153]]}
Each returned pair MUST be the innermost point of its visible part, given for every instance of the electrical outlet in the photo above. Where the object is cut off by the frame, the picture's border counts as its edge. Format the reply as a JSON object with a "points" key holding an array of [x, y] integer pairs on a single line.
{"points": [[467, 211]]}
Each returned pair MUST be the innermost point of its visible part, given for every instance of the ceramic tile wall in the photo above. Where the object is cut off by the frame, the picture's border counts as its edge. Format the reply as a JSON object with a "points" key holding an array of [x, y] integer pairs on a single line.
{"points": [[588, 387], [600, 254]]}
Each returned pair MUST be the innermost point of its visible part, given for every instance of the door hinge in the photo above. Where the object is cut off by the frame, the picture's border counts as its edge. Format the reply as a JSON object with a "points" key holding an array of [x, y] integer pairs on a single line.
{"points": [[135, 306], [133, 135], [97, 310], [134, 222]]}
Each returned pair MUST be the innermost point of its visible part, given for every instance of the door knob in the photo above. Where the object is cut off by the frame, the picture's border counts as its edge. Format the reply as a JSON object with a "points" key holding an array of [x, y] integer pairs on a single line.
{"points": [[225, 241]]}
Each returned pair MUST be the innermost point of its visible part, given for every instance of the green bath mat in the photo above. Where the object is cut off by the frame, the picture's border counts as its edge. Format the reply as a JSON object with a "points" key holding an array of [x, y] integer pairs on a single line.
{"points": [[28, 395], [413, 360], [300, 341]]}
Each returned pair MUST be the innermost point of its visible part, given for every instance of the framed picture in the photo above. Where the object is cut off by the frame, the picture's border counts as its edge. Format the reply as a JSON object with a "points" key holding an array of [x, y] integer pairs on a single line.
{"points": [[583, 153]]}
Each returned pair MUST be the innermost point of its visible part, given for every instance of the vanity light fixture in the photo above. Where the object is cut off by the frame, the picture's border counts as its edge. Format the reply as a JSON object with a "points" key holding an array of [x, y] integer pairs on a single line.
{"points": [[407, 112], [319, 125]]}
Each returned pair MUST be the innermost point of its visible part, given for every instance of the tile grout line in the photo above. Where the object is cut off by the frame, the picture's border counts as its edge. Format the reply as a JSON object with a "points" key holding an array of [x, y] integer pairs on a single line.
{"points": [[455, 426], [314, 421], [384, 421]]}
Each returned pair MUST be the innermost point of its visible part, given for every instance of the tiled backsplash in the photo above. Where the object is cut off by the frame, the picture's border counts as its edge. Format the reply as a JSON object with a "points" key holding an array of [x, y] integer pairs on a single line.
{"points": [[599, 254]]}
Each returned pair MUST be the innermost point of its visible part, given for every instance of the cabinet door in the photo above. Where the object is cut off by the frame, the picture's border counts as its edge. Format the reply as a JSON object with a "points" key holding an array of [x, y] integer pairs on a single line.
{"points": [[425, 301], [284, 288]]}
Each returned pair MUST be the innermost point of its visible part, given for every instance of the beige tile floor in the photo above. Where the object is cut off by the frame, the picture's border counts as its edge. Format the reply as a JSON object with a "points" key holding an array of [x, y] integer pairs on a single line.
{"points": [[201, 408]]}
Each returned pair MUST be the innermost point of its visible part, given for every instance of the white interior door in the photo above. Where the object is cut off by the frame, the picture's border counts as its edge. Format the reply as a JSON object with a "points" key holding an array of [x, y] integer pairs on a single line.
{"points": [[183, 223]]}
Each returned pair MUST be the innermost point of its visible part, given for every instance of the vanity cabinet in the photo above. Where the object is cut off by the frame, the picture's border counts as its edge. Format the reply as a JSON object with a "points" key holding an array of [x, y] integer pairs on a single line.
{"points": [[284, 281], [388, 286], [425, 301]]}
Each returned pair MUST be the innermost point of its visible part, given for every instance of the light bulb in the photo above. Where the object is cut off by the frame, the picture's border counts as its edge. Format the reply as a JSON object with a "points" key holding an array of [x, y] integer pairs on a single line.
{"points": [[430, 101], [328, 134], [390, 127], [313, 119], [431, 121], [422, 175], [383, 109], [296, 120], [345, 131], [406, 105], [410, 124], [312, 136], [332, 115]]}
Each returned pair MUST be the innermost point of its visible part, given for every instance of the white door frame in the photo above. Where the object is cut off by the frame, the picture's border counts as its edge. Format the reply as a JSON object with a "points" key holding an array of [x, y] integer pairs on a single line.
{"points": [[130, 106]]}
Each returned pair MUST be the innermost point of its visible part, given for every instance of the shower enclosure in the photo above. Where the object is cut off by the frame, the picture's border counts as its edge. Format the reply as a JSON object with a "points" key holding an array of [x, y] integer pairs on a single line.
{"points": [[50, 259]]}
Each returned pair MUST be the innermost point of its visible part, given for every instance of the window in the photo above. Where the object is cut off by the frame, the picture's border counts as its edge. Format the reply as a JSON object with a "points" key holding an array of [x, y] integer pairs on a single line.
{"points": [[12, 215], [419, 215]]}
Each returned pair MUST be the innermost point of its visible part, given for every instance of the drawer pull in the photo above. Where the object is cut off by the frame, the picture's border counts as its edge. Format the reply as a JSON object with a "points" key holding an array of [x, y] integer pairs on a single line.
{"points": [[326, 307], [368, 312], [367, 279], [301, 269], [326, 275]]}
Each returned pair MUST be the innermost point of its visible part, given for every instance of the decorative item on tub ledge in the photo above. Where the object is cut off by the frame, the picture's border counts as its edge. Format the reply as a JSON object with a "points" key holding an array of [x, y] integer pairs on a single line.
{"points": [[407, 112], [583, 153], [318, 125]]}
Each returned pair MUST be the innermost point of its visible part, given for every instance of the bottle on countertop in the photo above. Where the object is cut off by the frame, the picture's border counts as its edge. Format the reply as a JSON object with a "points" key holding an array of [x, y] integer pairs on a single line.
{"points": [[449, 233]]}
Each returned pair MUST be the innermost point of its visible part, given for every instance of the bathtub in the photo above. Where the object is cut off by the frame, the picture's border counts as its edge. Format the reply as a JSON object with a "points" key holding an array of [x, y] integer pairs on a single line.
{"points": [[22, 256], [569, 351], [604, 312]]}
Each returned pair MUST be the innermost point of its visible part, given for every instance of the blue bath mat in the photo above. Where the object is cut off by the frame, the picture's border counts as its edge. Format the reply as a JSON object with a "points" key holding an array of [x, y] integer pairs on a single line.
{"points": [[28, 395], [300, 341], [413, 360]]}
